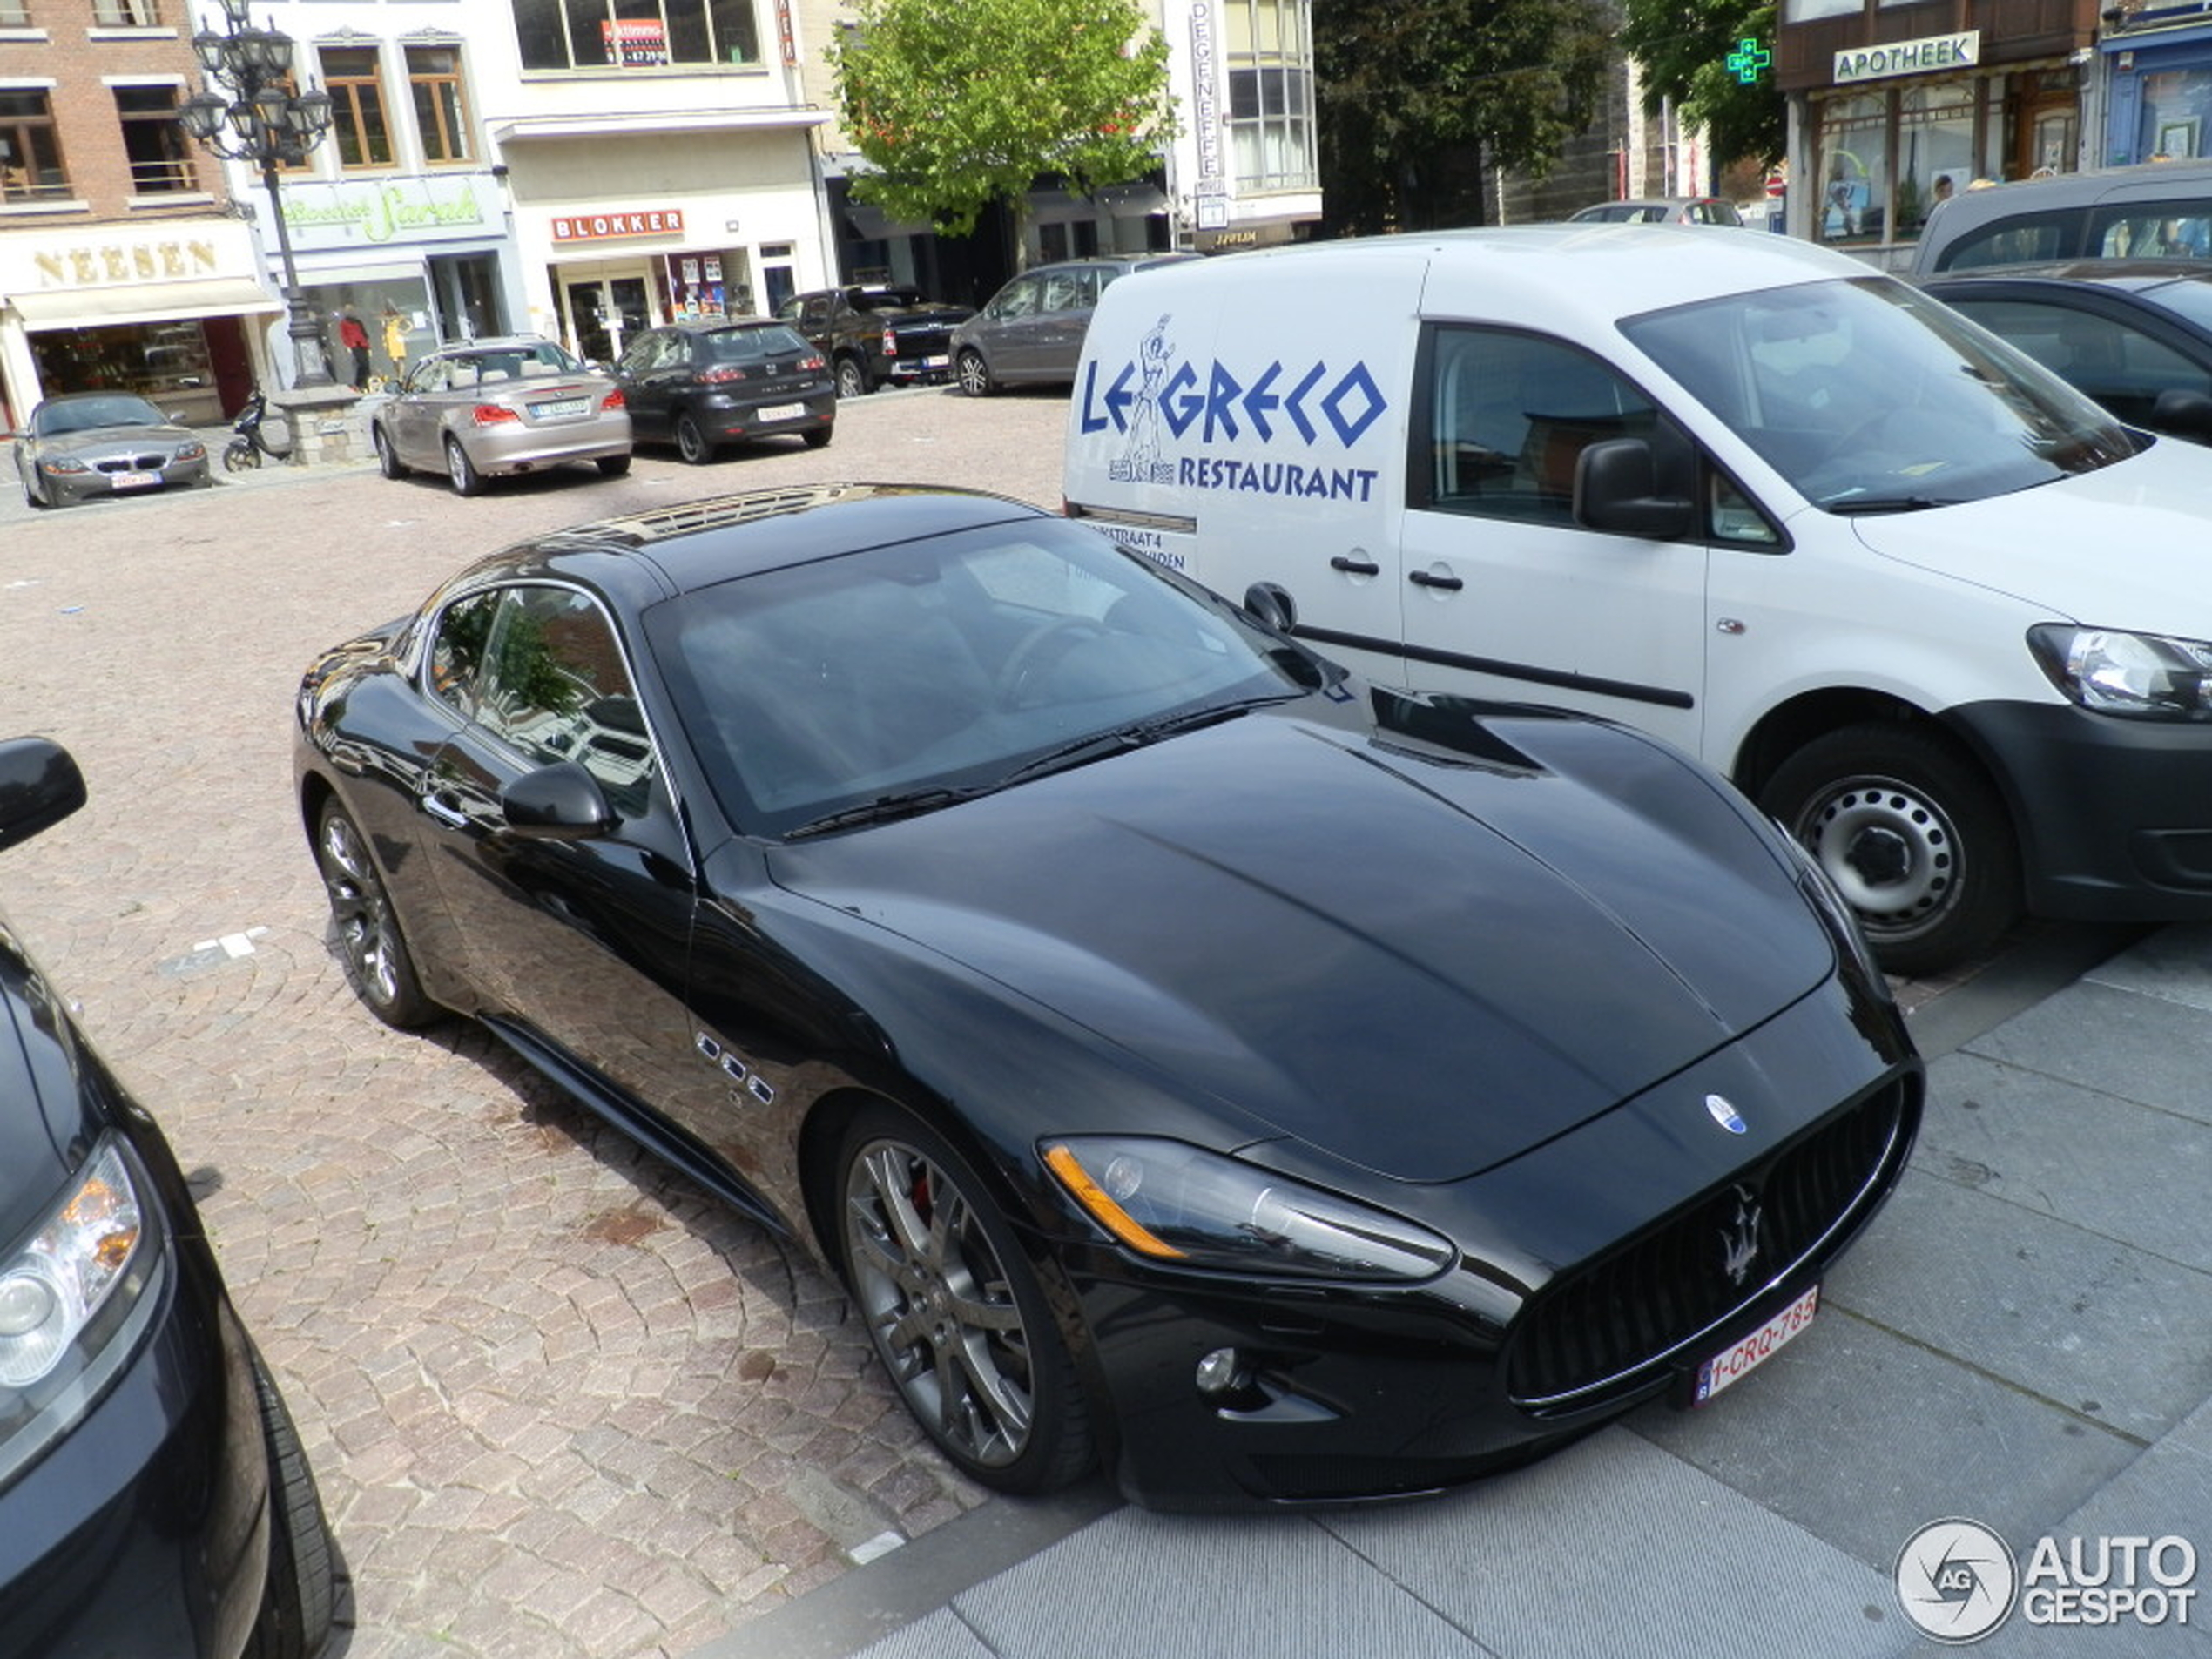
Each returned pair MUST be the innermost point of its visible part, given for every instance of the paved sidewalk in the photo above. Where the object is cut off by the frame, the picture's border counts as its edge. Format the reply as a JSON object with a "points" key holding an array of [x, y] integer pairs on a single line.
{"points": [[2025, 1340]]}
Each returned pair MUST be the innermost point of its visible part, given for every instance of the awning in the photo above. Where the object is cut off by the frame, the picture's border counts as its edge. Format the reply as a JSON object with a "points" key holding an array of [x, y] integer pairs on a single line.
{"points": [[143, 303]]}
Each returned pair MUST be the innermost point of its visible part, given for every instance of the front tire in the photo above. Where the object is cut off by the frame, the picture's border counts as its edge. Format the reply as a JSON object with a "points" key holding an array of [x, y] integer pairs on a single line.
{"points": [[691, 443], [954, 1310], [239, 454], [298, 1601], [467, 480], [974, 375], [852, 378], [1912, 834], [370, 945], [387, 459]]}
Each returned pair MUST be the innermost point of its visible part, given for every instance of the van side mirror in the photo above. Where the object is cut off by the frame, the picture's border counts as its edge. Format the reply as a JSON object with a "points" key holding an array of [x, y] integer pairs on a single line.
{"points": [[2184, 414], [1616, 489], [39, 786], [1272, 604]]}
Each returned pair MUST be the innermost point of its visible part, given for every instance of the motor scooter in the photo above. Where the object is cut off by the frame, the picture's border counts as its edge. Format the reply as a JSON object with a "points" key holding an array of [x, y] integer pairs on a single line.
{"points": [[260, 432]]}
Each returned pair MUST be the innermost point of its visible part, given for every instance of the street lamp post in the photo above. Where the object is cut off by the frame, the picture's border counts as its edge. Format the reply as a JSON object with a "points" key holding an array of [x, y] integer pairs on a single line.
{"points": [[261, 120]]}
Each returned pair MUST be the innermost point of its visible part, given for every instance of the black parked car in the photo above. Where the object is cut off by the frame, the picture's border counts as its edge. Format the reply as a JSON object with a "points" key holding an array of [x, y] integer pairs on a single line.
{"points": [[2134, 335], [877, 335], [154, 1500], [1193, 1057], [725, 380]]}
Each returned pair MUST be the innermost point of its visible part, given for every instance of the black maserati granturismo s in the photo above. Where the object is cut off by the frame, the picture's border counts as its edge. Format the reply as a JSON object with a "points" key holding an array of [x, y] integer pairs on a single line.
{"points": [[1194, 1059]]}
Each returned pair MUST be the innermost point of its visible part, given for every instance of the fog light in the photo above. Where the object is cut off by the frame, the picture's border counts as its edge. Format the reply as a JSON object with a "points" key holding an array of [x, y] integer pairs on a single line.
{"points": [[1218, 1371]]}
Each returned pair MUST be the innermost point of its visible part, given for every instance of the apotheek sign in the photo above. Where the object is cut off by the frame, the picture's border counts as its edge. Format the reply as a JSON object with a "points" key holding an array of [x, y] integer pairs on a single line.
{"points": [[1909, 57]]}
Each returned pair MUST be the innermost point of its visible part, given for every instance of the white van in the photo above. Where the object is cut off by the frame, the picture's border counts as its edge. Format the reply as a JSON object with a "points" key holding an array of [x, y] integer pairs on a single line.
{"points": [[1942, 617]]}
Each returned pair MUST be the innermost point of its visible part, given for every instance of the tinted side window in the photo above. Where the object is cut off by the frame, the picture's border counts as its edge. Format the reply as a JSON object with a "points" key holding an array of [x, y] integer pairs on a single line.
{"points": [[1511, 413], [2153, 230], [555, 688], [2052, 235], [456, 658], [1019, 298], [2121, 367]]}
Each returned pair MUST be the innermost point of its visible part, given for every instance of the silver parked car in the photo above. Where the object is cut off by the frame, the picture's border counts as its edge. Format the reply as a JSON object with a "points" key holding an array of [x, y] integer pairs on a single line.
{"points": [[1031, 331], [492, 406], [84, 444]]}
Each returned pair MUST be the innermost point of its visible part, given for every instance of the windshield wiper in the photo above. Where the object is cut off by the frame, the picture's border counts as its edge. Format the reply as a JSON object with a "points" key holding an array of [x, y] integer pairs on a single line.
{"points": [[1136, 735], [906, 803], [1892, 504]]}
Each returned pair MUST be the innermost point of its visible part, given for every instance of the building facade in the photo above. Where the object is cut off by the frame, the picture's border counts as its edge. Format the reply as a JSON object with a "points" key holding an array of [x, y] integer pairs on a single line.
{"points": [[1893, 106], [122, 266], [2158, 67]]}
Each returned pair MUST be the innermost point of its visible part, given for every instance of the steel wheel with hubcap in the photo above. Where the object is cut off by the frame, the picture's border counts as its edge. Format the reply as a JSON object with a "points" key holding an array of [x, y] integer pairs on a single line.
{"points": [[369, 942], [974, 375], [1912, 834], [954, 1310]]}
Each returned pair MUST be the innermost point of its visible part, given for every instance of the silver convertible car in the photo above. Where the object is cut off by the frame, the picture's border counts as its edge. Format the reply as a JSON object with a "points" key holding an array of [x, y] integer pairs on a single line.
{"points": [[84, 444], [492, 406]]}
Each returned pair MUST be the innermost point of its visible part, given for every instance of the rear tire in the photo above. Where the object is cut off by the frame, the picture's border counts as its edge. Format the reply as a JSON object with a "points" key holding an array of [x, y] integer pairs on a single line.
{"points": [[299, 1599], [973, 374], [467, 480], [818, 438], [691, 443], [852, 378], [1912, 834], [613, 466]]}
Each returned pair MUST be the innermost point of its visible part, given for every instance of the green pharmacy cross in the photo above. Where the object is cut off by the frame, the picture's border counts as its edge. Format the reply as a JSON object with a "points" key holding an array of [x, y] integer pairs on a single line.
{"points": [[1748, 60]]}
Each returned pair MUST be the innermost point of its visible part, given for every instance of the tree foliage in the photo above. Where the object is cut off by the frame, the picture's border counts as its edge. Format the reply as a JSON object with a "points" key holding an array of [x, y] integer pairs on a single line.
{"points": [[1684, 46], [1420, 100], [961, 102]]}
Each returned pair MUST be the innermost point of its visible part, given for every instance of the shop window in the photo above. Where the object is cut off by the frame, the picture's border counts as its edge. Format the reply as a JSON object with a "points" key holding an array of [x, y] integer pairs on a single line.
{"points": [[440, 111], [636, 34], [358, 124], [1854, 169], [1271, 94], [1813, 11], [152, 141], [126, 14], [2176, 105], [31, 153], [1935, 148]]}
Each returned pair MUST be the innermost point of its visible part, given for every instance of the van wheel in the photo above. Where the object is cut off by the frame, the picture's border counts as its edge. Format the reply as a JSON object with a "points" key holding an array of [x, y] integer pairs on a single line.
{"points": [[974, 374], [1911, 833]]}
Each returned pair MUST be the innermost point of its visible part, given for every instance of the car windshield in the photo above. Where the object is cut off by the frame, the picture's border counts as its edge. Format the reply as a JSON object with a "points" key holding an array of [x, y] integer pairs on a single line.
{"points": [[750, 345], [536, 360], [57, 420], [1870, 397], [958, 663], [886, 298], [2190, 299]]}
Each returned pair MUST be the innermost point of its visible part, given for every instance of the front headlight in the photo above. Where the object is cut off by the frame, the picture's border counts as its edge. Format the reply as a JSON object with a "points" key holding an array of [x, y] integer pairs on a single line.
{"points": [[2144, 677], [191, 451], [1176, 1204], [62, 464], [53, 1287]]}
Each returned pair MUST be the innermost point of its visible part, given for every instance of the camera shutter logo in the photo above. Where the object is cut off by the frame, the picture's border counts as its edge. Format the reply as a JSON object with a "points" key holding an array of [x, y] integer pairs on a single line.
{"points": [[1957, 1581]]}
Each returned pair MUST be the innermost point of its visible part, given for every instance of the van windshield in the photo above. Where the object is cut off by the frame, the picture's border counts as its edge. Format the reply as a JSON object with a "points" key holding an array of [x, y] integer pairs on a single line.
{"points": [[1870, 397]]}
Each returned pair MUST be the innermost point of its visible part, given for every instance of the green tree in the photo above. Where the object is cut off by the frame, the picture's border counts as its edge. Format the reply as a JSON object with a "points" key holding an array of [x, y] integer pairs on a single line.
{"points": [[1684, 46], [1419, 101], [961, 103]]}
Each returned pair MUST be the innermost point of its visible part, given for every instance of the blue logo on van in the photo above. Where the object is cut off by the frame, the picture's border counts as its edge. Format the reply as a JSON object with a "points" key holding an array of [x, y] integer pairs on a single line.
{"points": [[1316, 398]]}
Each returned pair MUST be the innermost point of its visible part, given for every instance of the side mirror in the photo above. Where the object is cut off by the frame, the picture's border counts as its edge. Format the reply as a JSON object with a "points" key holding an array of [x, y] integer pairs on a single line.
{"points": [[561, 802], [1271, 602], [39, 786], [1616, 489], [2187, 414]]}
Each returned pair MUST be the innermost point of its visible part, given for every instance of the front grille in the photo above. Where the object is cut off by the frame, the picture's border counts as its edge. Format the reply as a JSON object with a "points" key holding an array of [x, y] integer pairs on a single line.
{"points": [[1599, 1331], [131, 463]]}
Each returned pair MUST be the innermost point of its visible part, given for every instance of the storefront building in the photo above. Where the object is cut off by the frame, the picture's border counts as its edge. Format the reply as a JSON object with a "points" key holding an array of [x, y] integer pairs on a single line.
{"points": [[1243, 171], [2159, 63], [1892, 107]]}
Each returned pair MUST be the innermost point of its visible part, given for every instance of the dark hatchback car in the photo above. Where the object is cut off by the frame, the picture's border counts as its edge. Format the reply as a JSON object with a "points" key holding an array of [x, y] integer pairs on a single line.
{"points": [[1193, 1057], [154, 1500], [718, 381], [2134, 335]]}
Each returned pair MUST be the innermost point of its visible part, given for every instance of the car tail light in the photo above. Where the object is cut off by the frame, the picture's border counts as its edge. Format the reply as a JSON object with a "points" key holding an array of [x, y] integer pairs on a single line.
{"points": [[614, 400], [814, 363], [890, 341], [491, 414], [717, 376]]}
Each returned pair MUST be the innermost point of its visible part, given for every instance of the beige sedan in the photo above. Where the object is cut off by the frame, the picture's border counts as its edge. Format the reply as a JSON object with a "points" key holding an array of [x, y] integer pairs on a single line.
{"points": [[493, 407]]}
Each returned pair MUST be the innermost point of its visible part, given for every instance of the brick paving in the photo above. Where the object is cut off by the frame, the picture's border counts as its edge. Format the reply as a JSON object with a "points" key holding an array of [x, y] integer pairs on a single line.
{"points": [[561, 1403]]}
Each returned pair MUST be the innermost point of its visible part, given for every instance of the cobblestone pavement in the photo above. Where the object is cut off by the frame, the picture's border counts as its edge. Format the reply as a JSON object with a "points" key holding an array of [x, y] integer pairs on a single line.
{"points": [[561, 1402]]}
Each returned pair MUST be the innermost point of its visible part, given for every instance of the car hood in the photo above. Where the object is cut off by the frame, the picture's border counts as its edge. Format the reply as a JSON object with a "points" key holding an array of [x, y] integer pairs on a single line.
{"points": [[2127, 546], [1420, 965], [45, 1123]]}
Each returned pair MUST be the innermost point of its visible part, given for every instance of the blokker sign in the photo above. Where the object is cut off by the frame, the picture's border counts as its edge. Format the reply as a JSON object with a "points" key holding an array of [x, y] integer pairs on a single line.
{"points": [[1908, 57]]}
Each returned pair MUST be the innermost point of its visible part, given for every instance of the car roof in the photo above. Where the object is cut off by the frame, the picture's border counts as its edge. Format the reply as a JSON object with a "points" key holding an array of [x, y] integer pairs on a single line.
{"points": [[2133, 274], [646, 557]]}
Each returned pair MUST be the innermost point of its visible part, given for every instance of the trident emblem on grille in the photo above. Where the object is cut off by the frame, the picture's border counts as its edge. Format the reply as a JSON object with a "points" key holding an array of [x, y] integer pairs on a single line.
{"points": [[1740, 1238]]}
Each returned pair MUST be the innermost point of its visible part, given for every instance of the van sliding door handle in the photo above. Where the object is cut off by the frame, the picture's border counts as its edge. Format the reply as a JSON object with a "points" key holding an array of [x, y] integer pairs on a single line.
{"points": [[1352, 566], [1424, 579]]}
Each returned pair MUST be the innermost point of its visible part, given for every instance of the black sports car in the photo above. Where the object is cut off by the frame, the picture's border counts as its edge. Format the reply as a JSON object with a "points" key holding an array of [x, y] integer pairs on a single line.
{"points": [[1192, 1056]]}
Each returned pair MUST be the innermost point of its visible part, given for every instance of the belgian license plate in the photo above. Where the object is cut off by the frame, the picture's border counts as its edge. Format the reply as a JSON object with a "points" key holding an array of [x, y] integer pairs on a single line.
{"points": [[1739, 1359], [561, 406], [133, 480], [936, 362], [781, 411]]}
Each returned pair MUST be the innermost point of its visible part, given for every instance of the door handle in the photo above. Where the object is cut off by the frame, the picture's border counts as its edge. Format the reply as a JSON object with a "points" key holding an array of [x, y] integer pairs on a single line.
{"points": [[1444, 583], [1352, 566], [445, 814]]}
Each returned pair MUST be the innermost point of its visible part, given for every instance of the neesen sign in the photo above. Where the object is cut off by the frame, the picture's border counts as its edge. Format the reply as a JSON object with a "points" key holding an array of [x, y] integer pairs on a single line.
{"points": [[1909, 57], [592, 227]]}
